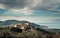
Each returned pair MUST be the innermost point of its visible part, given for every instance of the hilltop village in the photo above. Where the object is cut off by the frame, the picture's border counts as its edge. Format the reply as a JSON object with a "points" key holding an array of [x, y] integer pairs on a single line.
{"points": [[20, 26]]}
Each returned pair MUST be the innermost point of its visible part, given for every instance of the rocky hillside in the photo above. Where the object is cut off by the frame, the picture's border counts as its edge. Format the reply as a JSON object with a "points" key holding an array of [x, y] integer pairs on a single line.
{"points": [[26, 33], [32, 31]]}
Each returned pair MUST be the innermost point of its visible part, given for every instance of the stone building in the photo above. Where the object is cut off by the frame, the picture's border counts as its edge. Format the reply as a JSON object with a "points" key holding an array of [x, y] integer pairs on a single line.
{"points": [[20, 26]]}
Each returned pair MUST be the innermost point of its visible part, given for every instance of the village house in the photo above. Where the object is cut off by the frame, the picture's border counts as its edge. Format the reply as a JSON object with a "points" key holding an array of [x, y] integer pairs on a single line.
{"points": [[20, 26]]}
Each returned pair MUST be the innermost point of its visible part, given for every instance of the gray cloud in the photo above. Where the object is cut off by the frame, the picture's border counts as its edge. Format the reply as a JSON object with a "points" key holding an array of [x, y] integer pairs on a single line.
{"points": [[11, 3], [3, 11], [16, 3], [48, 4], [31, 4]]}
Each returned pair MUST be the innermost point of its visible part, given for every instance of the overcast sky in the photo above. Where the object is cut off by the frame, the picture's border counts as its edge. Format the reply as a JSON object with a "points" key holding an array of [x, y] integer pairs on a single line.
{"points": [[43, 12]]}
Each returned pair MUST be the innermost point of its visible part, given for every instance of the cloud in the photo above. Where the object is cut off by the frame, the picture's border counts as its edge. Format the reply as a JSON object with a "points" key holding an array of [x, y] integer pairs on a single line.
{"points": [[20, 3], [2, 6], [3, 11], [55, 9], [37, 20], [20, 6], [28, 6], [25, 11]]}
